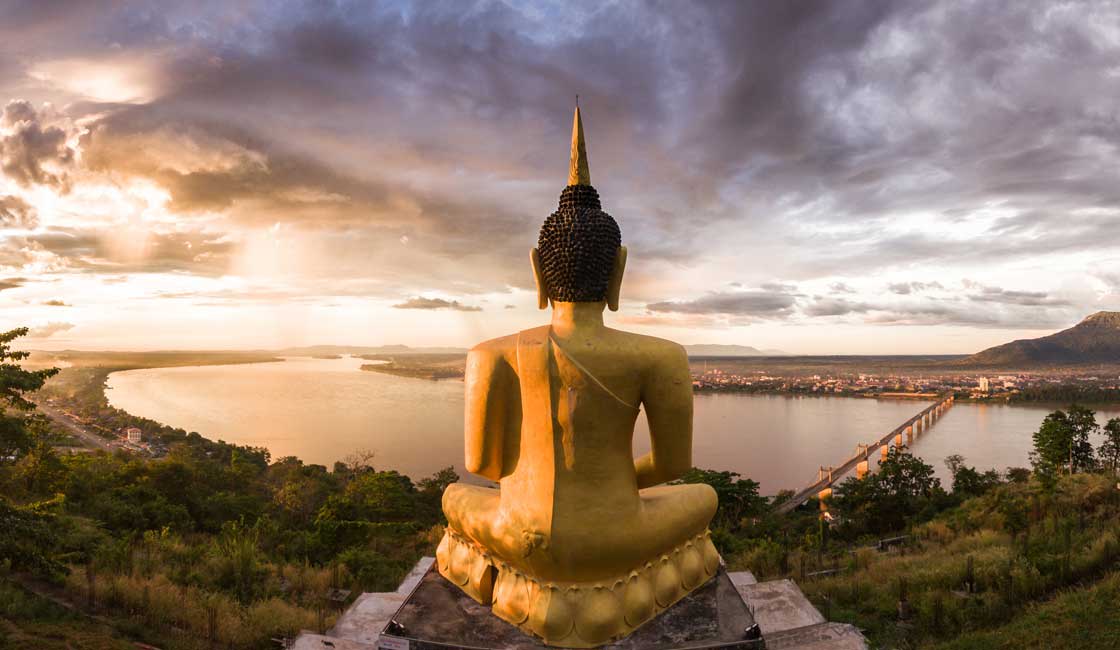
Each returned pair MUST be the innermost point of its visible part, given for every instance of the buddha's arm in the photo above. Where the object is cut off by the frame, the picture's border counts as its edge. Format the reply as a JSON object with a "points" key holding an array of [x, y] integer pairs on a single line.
{"points": [[667, 396], [484, 422]]}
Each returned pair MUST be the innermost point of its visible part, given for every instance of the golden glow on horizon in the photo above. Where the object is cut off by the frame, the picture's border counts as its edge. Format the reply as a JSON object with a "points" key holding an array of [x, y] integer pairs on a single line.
{"points": [[196, 182]]}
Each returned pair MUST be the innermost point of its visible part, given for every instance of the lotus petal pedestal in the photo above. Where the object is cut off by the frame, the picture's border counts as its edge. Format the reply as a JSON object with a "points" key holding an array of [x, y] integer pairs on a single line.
{"points": [[438, 616]]}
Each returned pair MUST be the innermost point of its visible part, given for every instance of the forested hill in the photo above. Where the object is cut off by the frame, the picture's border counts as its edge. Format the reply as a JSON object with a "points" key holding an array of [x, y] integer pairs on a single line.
{"points": [[1095, 340]]}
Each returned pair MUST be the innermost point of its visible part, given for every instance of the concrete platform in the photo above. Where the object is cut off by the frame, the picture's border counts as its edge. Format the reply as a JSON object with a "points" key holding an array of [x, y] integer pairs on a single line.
{"points": [[779, 605], [823, 636], [360, 625], [311, 641], [741, 578], [787, 619], [439, 616]]}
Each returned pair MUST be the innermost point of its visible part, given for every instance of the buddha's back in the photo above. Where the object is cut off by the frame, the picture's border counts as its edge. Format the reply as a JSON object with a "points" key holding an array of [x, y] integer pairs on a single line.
{"points": [[582, 543], [573, 490]]}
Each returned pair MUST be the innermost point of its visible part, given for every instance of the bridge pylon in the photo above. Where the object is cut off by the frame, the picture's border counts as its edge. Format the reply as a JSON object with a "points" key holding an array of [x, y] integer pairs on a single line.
{"points": [[863, 467]]}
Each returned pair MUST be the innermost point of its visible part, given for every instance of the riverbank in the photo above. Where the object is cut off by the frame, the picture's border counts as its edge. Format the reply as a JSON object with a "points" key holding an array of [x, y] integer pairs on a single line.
{"points": [[322, 411], [75, 402], [215, 500], [417, 366]]}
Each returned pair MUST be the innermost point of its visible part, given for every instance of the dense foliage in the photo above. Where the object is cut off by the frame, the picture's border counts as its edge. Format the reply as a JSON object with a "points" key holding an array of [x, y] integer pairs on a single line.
{"points": [[212, 541], [220, 545], [1062, 444]]}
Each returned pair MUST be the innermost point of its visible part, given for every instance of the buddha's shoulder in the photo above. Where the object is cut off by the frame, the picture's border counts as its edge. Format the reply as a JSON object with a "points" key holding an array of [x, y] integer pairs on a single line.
{"points": [[495, 346], [503, 347], [657, 348]]}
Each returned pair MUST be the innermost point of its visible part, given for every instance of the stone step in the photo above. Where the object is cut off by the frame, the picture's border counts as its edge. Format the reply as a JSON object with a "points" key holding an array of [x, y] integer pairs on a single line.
{"points": [[779, 605], [741, 578], [309, 641], [360, 625], [821, 636]]}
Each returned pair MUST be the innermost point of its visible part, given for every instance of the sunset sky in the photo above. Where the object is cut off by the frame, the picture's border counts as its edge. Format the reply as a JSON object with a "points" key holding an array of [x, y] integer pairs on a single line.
{"points": [[818, 177]]}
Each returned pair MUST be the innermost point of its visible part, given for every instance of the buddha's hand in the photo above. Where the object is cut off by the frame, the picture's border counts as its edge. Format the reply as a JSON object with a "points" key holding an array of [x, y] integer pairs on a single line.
{"points": [[531, 540]]}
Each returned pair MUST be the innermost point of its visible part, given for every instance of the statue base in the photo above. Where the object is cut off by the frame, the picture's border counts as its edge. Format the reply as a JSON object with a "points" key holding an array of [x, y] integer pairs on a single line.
{"points": [[438, 616]]}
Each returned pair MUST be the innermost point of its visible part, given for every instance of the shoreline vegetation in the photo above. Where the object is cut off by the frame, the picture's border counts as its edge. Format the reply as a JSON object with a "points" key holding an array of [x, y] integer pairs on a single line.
{"points": [[417, 366], [208, 545], [215, 544]]}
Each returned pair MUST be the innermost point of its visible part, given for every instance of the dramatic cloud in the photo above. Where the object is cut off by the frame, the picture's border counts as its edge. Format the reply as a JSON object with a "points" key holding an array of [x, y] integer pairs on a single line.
{"points": [[435, 303], [16, 213], [104, 251], [906, 288], [1027, 298], [761, 303], [29, 152], [48, 330], [825, 153], [836, 307], [11, 283]]}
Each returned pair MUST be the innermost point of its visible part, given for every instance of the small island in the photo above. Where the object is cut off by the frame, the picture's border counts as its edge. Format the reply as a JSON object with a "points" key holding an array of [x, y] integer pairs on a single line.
{"points": [[418, 365]]}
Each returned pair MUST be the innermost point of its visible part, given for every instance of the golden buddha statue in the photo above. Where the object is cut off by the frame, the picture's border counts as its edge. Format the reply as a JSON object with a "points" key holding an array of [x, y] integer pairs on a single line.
{"points": [[581, 544]]}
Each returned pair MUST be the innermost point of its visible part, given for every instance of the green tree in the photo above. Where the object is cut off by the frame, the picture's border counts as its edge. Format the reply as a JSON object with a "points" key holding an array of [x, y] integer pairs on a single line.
{"points": [[1109, 451], [373, 496], [16, 432], [886, 501], [27, 538], [430, 506], [967, 482], [1062, 442], [40, 471], [738, 497]]}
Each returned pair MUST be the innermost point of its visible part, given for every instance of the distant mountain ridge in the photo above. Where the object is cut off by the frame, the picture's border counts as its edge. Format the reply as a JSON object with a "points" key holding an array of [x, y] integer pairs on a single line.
{"points": [[720, 350], [358, 350], [1095, 340], [699, 350]]}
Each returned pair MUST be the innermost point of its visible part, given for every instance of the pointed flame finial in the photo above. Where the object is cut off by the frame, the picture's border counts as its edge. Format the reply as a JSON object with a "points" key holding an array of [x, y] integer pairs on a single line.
{"points": [[578, 171]]}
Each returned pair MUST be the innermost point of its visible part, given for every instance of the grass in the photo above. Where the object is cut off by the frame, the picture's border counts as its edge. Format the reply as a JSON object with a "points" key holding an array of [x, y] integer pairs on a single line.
{"points": [[29, 621], [1075, 619], [1035, 556]]}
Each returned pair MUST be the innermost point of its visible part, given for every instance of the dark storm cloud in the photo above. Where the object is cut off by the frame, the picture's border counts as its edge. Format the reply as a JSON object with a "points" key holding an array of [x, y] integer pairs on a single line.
{"points": [[11, 283], [906, 288], [93, 251], [961, 313], [761, 303], [16, 213], [435, 303], [1011, 297], [447, 124], [30, 149], [836, 307], [1009, 313]]}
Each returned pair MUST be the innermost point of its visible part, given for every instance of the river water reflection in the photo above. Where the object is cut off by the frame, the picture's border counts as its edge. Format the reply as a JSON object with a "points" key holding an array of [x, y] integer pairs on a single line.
{"points": [[322, 410]]}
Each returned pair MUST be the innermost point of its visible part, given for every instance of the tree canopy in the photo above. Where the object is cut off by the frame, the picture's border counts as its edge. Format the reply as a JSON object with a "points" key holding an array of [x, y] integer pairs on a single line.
{"points": [[1061, 443]]}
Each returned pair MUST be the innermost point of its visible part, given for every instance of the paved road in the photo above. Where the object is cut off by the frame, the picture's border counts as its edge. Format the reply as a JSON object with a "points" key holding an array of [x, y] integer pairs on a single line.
{"points": [[85, 435]]}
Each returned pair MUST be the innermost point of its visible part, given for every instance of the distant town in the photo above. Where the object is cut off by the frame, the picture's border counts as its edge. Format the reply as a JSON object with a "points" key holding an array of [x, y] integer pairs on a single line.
{"points": [[712, 377]]}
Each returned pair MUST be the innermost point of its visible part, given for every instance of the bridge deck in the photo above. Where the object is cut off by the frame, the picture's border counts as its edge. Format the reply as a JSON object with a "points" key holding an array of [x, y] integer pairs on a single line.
{"points": [[851, 463]]}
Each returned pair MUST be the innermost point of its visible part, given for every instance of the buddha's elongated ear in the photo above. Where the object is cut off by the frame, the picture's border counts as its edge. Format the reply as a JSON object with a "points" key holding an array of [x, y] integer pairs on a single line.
{"points": [[538, 276], [615, 286]]}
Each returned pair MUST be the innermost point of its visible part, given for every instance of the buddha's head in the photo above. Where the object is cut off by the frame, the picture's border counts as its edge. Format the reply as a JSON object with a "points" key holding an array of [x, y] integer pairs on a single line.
{"points": [[579, 255]]}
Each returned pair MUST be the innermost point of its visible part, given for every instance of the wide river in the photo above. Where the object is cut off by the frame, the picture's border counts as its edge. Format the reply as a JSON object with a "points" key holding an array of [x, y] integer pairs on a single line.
{"points": [[324, 410]]}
